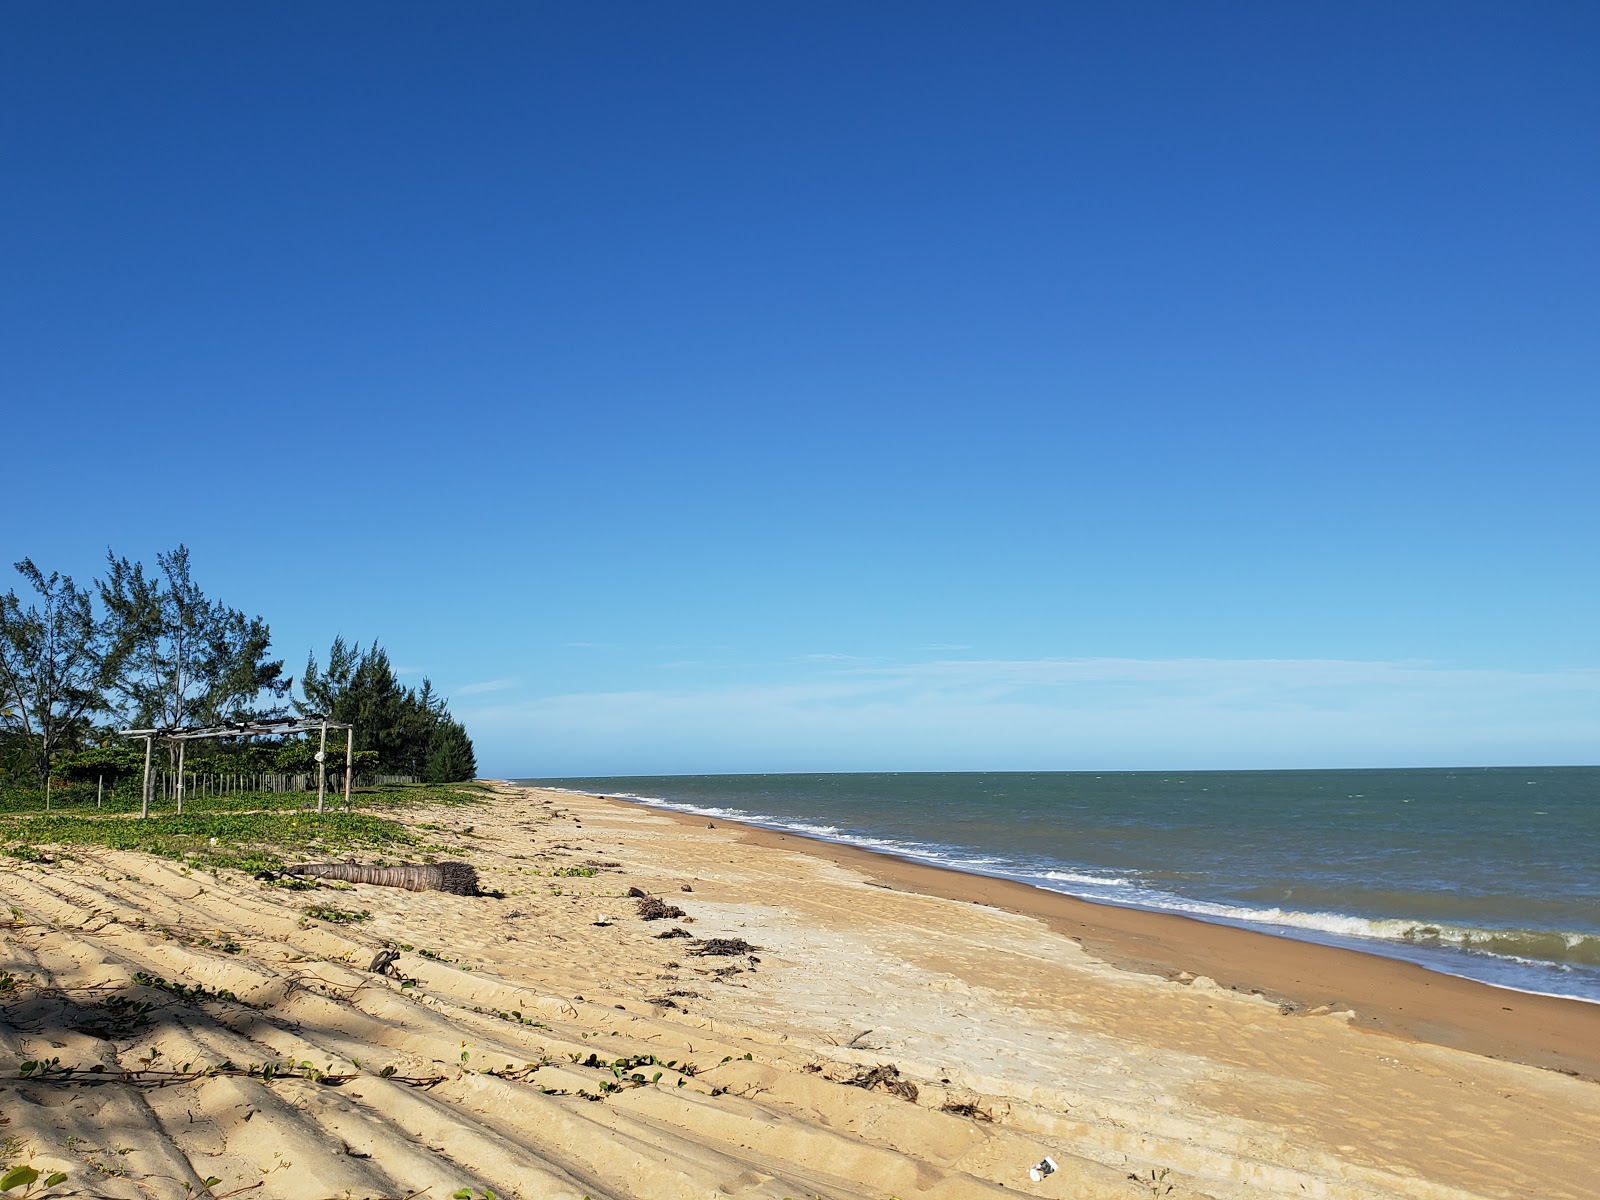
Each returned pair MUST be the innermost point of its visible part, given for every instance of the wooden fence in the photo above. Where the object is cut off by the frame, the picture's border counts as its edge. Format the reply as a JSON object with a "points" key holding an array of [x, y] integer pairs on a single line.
{"points": [[199, 784]]}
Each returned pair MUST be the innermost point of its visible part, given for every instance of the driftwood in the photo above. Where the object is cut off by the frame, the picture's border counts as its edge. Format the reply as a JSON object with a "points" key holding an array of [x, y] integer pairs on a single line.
{"points": [[455, 877]]}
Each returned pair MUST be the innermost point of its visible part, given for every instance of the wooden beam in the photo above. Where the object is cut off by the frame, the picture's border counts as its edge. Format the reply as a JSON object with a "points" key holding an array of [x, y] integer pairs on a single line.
{"points": [[349, 760], [322, 767]]}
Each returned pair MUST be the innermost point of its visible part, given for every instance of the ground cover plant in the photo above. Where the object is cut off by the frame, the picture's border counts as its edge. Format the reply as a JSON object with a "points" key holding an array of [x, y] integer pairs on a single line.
{"points": [[251, 831]]}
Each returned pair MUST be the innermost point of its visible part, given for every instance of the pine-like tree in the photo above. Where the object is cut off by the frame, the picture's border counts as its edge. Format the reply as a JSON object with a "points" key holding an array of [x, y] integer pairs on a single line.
{"points": [[450, 756], [398, 724], [53, 664], [182, 659]]}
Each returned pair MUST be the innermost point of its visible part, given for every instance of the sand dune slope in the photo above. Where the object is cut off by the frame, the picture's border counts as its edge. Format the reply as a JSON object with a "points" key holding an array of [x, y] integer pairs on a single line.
{"points": [[550, 1043]]}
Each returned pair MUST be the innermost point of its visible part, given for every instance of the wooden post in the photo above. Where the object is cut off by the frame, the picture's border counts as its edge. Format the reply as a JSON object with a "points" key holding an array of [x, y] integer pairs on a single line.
{"points": [[322, 767], [349, 759], [100, 791], [178, 786], [145, 807]]}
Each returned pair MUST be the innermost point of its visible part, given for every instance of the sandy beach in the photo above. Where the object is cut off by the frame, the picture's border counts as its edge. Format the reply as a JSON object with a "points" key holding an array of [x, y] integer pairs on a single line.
{"points": [[889, 1030]]}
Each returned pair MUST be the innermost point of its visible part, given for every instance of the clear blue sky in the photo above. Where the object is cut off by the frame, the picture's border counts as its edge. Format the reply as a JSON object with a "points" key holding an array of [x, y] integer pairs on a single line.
{"points": [[692, 387]]}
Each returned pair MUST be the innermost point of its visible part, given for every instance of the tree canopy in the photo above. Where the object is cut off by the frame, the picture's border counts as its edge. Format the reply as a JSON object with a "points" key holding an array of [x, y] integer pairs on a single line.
{"points": [[160, 654], [181, 659], [396, 723], [54, 661], [450, 758]]}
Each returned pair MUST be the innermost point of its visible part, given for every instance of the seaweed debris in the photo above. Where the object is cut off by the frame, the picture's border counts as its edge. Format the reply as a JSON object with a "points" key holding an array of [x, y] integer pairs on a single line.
{"points": [[724, 947], [885, 1076], [653, 908], [968, 1110]]}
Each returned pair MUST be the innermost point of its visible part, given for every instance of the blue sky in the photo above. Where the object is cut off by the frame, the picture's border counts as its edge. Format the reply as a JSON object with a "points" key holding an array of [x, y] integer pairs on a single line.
{"points": [[707, 387]]}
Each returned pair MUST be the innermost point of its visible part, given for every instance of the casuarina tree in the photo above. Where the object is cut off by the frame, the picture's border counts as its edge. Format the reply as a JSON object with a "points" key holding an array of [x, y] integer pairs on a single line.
{"points": [[183, 659], [53, 661], [450, 757], [397, 723]]}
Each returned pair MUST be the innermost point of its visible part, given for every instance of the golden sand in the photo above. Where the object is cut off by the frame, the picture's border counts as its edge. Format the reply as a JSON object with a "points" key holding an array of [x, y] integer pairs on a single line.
{"points": [[1026, 1024]]}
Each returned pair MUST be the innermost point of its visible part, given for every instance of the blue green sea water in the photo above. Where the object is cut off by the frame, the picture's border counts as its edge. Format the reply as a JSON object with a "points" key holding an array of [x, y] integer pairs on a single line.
{"points": [[1488, 873]]}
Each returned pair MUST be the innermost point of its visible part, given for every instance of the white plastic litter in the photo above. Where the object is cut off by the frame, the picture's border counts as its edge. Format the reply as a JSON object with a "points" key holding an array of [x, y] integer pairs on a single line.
{"points": [[1045, 1166]]}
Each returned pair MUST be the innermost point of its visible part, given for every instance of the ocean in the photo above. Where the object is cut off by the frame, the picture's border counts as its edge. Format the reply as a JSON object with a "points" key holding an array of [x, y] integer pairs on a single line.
{"points": [[1488, 873]]}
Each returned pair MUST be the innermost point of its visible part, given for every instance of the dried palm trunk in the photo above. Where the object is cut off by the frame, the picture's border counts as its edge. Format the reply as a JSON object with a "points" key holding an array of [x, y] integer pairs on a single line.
{"points": [[455, 877]]}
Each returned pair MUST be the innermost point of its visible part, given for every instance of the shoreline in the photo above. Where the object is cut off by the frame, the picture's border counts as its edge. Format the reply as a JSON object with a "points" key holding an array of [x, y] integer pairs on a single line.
{"points": [[637, 1007], [1388, 996]]}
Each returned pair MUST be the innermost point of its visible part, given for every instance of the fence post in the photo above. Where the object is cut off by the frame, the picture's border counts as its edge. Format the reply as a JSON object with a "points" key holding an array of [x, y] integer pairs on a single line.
{"points": [[322, 766]]}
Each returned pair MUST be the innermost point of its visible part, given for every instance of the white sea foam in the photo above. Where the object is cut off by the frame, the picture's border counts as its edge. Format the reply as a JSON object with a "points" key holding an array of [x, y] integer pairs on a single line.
{"points": [[1542, 947], [830, 833], [1418, 940], [1089, 880]]}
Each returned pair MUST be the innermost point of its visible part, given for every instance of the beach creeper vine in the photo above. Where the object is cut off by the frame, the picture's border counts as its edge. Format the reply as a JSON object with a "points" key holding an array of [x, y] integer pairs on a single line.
{"points": [[624, 1073], [27, 1178]]}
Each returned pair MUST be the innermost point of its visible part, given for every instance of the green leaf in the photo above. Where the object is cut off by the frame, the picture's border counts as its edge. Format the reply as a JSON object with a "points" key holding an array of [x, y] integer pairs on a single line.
{"points": [[17, 1177], [463, 1194], [212, 1181], [58, 1177]]}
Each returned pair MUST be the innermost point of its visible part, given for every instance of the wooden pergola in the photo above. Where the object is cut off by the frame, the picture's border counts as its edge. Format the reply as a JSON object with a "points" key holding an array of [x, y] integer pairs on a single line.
{"points": [[270, 726]]}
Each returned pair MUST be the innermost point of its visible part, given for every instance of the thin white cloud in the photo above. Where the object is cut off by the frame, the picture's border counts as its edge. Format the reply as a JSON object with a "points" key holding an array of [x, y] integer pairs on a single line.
{"points": [[487, 685], [1091, 712]]}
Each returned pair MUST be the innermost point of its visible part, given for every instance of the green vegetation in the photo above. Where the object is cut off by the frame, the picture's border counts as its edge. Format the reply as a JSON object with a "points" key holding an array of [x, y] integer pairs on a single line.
{"points": [[174, 657], [160, 654], [54, 665], [254, 831], [254, 841], [28, 1180], [1156, 1182], [150, 1074], [409, 731], [336, 916], [183, 991], [450, 755]]}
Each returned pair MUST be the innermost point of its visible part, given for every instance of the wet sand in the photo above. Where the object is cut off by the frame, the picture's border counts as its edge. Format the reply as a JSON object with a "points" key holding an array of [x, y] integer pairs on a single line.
{"points": [[890, 1030], [1387, 995]]}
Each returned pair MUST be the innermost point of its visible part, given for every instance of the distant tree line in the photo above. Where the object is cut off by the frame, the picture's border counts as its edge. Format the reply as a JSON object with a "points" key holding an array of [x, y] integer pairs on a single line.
{"points": [[156, 653]]}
